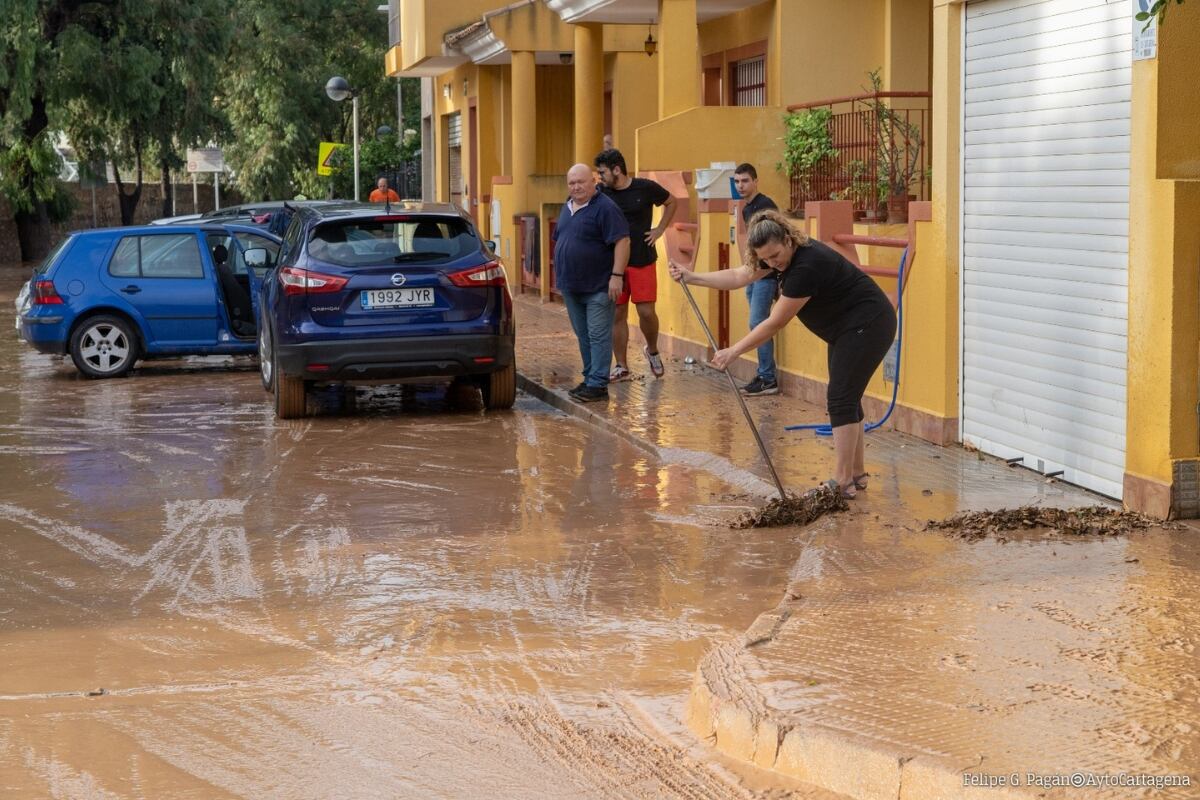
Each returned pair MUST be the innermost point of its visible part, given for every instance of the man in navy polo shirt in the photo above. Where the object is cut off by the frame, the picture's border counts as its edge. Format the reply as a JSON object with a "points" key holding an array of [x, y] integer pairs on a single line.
{"points": [[591, 251]]}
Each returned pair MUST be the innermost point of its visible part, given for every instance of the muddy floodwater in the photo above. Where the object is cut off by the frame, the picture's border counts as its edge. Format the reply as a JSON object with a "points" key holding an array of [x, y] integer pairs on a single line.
{"points": [[404, 598]]}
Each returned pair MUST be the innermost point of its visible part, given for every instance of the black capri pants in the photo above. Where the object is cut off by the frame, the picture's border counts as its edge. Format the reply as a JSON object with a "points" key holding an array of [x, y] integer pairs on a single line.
{"points": [[853, 358]]}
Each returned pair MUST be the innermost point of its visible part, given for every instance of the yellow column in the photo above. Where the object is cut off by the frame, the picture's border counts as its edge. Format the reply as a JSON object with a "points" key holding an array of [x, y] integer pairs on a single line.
{"points": [[937, 344], [679, 57], [589, 91], [1163, 364], [524, 127]]}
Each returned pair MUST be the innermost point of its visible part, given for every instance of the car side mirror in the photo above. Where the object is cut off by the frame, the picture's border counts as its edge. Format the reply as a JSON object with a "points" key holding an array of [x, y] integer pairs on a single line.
{"points": [[257, 257], [493, 245]]}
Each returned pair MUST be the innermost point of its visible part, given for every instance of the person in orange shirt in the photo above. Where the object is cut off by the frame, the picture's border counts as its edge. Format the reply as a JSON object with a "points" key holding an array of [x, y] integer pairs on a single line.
{"points": [[382, 193]]}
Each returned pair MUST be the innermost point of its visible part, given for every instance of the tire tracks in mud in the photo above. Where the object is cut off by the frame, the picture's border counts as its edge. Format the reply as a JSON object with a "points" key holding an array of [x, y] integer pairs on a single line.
{"points": [[617, 759]]}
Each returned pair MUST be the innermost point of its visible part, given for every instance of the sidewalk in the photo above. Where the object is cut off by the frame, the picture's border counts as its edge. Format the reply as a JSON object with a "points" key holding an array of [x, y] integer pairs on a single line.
{"points": [[906, 664]]}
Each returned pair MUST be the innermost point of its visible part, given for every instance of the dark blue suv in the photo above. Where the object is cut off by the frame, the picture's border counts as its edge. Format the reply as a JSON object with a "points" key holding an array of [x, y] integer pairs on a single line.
{"points": [[384, 294]]}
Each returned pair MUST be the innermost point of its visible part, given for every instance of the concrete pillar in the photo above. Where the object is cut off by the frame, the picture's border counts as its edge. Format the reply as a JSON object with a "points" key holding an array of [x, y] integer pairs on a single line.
{"points": [[524, 127], [678, 57], [1162, 458], [589, 91]]}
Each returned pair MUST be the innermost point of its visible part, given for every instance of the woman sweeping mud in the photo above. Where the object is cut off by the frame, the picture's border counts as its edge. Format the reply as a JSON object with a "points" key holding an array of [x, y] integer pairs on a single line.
{"points": [[835, 300]]}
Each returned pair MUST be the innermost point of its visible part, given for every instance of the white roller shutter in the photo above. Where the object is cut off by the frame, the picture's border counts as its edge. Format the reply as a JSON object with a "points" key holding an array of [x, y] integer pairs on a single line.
{"points": [[1045, 234]]}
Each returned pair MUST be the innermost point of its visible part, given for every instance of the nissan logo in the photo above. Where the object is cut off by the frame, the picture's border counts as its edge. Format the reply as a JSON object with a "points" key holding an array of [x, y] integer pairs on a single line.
{"points": [[397, 279]]}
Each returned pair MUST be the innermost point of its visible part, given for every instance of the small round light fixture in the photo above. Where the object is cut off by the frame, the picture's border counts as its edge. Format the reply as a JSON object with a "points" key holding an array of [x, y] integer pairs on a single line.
{"points": [[337, 88]]}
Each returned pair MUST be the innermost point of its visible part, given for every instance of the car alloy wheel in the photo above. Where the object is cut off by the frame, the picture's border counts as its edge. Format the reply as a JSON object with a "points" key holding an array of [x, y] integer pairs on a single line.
{"points": [[104, 347], [266, 363]]}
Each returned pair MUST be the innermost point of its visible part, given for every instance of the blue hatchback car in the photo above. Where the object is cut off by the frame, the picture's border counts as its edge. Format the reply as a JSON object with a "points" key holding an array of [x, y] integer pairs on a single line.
{"points": [[110, 296], [383, 294]]}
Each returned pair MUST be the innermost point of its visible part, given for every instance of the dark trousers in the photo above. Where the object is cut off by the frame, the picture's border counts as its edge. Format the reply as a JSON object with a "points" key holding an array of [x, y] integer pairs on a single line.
{"points": [[853, 358]]}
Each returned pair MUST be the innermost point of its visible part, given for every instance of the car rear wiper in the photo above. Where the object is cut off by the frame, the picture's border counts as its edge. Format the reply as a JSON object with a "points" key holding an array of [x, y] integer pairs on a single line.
{"points": [[416, 255]]}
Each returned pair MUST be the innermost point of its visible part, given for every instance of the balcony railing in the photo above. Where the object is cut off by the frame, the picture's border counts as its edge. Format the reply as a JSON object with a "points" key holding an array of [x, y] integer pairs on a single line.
{"points": [[855, 170]]}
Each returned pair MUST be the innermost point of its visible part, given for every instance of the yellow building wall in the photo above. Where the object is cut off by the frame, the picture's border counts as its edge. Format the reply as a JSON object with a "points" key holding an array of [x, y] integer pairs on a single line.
{"points": [[838, 50], [1164, 256], [628, 38], [907, 51], [745, 27], [555, 120], [634, 99], [532, 27], [703, 134], [936, 269], [1178, 133], [424, 24]]}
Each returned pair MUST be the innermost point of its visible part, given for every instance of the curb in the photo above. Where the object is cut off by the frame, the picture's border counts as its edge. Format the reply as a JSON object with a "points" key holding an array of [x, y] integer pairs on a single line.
{"points": [[716, 465], [725, 709]]}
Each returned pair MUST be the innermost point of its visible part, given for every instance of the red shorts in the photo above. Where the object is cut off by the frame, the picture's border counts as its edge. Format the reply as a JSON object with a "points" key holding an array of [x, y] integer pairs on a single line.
{"points": [[641, 285]]}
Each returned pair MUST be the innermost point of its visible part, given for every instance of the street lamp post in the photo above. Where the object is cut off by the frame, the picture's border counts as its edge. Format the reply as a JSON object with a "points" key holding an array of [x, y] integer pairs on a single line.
{"points": [[338, 90]]}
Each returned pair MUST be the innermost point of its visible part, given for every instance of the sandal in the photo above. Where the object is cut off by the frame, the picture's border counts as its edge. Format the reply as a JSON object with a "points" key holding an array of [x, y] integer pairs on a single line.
{"points": [[619, 373], [860, 481], [833, 486]]}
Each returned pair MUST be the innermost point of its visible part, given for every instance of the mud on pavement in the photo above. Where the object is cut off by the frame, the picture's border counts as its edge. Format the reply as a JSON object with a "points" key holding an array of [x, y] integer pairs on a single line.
{"points": [[1083, 521]]}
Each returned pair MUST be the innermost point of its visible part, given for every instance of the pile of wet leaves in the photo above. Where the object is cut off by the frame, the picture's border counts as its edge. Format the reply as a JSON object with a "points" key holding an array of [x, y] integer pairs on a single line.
{"points": [[1084, 521], [795, 510]]}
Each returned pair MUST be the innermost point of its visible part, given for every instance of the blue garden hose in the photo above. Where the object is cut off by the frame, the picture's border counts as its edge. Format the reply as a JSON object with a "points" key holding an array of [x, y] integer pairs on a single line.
{"points": [[825, 429]]}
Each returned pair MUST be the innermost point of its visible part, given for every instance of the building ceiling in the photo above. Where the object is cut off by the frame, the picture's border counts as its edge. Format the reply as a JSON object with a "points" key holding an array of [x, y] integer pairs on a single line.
{"points": [[638, 12]]}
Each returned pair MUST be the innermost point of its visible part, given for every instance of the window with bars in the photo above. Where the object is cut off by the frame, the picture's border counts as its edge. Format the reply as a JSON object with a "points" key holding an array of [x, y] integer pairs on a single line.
{"points": [[749, 81], [454, 130]]}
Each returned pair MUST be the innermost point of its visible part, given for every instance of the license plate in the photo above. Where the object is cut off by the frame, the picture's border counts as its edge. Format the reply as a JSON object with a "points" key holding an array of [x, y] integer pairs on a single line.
{"points": [[397, 298]]}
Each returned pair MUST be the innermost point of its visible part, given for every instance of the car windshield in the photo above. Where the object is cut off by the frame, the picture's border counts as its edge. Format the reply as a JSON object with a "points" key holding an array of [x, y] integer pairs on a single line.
{"points": [[53, 254], [393, 239]]}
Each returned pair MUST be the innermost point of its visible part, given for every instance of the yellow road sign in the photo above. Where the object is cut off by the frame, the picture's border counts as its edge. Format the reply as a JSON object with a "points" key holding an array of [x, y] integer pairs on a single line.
{"points": [[324, 155]]}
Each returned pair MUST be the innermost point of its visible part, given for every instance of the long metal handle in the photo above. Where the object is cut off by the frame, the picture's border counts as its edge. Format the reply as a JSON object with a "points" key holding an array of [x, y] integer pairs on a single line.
{"points": [[736, 393]]}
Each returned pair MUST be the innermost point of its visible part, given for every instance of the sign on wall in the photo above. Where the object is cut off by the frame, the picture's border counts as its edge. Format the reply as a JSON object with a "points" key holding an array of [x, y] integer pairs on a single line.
{"points": [[205, 159], [1145, 32]]}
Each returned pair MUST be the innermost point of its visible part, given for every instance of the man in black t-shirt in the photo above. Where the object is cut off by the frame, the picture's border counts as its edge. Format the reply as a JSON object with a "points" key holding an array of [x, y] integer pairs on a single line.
{"points": [[761, 293], [636, 197]]}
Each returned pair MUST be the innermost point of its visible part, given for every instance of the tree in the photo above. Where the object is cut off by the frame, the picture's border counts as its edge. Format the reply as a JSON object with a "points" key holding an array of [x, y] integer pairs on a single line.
{"points": [[146, 88], [30, 84], [273, 89], [386, 157]]}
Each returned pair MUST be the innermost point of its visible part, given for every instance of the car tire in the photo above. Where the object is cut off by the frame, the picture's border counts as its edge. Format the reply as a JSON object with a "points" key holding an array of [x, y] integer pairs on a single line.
{"points": [[499, 389], [104, 346], [266, 359], [291, 395]]}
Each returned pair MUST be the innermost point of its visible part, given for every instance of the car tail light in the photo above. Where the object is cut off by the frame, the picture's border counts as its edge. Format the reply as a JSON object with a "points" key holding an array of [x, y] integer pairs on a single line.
{"points": [[44, 294], [304, 281], [490, 274]]}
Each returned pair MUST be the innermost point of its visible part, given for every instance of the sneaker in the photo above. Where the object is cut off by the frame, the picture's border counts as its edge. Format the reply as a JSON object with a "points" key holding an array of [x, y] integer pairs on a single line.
{"points": [[619, 373], [760, 388], [577, 389], [656, 365], [590, 394]]}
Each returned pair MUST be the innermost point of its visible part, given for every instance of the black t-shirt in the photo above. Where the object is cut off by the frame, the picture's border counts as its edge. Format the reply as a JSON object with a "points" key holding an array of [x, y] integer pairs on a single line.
{"points": [[637, 201], [756, 205], [841, 296]]}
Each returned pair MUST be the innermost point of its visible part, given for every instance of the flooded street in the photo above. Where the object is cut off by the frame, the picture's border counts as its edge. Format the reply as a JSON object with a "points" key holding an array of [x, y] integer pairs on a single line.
{"points": [[403, 596], [413, 599]]}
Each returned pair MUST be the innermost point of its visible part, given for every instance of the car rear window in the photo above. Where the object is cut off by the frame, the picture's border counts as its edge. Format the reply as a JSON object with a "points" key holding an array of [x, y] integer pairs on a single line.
{"points": [[393, 240], [49, 260]]}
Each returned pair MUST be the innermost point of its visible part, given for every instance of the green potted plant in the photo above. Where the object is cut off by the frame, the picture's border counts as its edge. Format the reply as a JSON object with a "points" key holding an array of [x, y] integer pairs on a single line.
{"points": [[807, 144], [898, 152]]}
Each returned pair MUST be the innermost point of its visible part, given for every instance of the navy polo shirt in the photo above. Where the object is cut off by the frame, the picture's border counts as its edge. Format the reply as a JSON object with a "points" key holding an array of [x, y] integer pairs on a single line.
{"points": [[583, 245]]}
